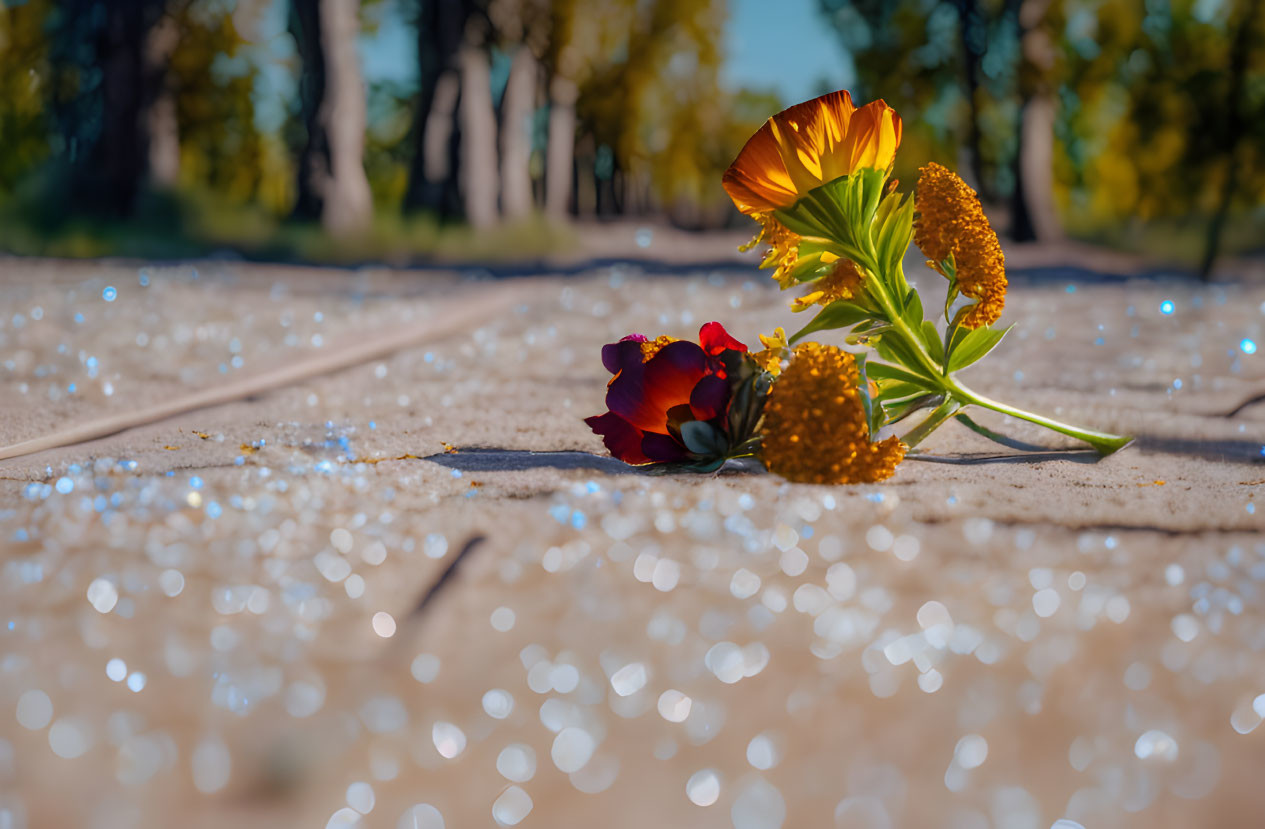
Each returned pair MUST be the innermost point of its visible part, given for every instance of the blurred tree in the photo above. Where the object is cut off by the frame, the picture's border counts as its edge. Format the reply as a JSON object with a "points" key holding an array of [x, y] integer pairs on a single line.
{"points": [[974, 74], [106, 78], [24, 70], [1238, 126], [1163, 113], [522, 31], [432, 182], [477, 172], [454, 171], [210, 84], [332, 185], [560, 78]]}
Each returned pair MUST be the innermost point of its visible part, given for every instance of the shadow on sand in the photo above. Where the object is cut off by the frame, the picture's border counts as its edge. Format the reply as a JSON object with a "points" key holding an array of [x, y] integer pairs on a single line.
{"points": [[509, 460]]}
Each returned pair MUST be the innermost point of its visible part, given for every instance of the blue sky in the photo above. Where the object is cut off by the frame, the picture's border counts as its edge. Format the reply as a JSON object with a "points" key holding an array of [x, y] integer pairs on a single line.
{"points": [[780, 44], [783, 44]]}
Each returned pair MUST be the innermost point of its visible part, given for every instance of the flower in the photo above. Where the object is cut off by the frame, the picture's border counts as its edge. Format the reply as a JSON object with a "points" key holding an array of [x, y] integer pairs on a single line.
{"points": [[815, 425], [808, 145], [783, 249], [950, 227], [775, 347], [660, 385], [843, 282]]}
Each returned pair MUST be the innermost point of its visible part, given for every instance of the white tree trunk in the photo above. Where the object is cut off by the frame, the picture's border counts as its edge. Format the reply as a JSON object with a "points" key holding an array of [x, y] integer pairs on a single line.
{"points": [[517, 108], [347, 204], [478, 175], [161, 125], [1036, 163], [439, 125], [560, 154]]}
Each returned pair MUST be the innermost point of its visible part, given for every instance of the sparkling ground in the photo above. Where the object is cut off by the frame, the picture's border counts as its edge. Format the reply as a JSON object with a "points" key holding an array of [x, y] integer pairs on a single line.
{"points": [[299, 610]]}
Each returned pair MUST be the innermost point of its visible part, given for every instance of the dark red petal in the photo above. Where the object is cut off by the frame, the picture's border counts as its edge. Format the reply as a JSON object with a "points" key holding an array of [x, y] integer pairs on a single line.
{"points": [[662, 448], [672, 374], [714, 339], [710, 397], [617, 356], [622, 439]]}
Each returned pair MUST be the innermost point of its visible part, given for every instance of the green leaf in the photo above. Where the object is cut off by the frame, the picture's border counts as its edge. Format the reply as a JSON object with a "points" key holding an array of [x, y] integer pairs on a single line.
{"points": [[931, 337], [912, 314], [883, 371], [890, 390], [701, 439], [896, 350], [973, 346], [872, 412], [841, 314], [893, 230], [897, 412]]}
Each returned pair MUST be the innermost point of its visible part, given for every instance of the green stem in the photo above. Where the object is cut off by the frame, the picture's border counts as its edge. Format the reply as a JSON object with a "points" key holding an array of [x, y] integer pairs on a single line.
{"points": [[941, 413], [1104, 442]]}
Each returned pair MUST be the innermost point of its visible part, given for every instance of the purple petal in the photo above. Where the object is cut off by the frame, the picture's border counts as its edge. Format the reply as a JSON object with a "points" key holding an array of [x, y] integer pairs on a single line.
{"points": [[619, 356], [662, 448], [710, 397], [622, 439]]}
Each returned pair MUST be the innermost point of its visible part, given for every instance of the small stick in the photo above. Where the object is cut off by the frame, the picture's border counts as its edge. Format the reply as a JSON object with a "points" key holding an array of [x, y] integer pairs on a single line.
{"points": [[328, 360]]}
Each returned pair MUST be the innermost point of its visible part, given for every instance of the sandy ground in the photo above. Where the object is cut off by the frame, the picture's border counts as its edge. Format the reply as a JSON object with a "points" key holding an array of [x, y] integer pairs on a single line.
{"points": [[300, 610]]}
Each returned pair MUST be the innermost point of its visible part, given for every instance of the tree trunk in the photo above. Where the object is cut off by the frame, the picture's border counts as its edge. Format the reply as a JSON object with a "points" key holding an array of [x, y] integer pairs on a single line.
{"points": [[332, 184], [161, 124], [1233, 128], [477, 170], [1033, 214], [440, 151], [108, 165], [973, 42], [560, 152], [517, 107], [432, 180]]}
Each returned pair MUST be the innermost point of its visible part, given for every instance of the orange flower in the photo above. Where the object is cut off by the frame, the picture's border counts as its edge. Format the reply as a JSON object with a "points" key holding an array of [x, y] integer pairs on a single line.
{"points": [[808, 145], [815, 427], [951, 224]]}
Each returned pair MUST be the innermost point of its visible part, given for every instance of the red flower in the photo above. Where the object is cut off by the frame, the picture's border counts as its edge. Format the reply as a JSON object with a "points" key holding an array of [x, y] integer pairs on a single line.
{"points": [[658, 386]]}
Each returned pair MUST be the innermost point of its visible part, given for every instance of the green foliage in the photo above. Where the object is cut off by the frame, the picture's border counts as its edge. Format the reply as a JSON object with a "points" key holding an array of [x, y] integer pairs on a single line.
{"points": [[23, 94]]}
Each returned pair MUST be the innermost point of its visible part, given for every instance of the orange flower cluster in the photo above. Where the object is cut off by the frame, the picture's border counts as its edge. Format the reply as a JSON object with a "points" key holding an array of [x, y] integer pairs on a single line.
{"points": [[815, 427], [843, 282], [950, 224]]}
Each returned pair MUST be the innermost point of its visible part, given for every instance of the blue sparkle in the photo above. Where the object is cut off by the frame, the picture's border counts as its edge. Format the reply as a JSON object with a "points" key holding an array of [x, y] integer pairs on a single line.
{"points": [[213, 510], [1177, 384], [65, 486], [1247, 346], [110, 293], [578, 520], [195, 482], [1167, 307], [1071, 289], [373, 424], [79, 318]]}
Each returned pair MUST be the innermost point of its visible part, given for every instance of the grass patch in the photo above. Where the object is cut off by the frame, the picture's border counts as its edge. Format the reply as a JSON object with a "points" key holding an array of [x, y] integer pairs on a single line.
{"points": [[188, 226]]}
